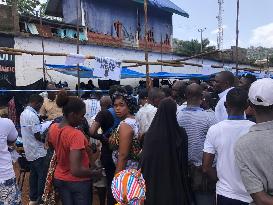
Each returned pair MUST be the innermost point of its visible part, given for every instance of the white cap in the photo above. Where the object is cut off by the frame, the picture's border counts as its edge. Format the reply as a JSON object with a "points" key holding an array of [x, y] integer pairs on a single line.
{"points": [[261, 92]]}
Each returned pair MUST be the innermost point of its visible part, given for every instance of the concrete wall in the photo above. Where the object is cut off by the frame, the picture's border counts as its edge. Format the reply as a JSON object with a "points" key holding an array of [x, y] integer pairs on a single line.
{"points": [[27, 66]]}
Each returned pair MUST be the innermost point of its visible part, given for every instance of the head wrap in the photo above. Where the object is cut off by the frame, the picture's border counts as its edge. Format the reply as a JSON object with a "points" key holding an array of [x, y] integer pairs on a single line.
{"points": [[130, 101], [128, 187]]}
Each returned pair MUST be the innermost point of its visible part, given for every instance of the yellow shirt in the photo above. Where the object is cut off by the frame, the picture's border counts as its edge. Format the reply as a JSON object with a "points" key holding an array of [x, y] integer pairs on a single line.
{"points": [[50, 109]]}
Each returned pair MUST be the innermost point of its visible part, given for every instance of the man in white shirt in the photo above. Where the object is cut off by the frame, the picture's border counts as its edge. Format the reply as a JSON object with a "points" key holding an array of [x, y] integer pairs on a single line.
{"points": [[146, 113], [9, 192], [34, 147], [220, 142], [224, 82]]}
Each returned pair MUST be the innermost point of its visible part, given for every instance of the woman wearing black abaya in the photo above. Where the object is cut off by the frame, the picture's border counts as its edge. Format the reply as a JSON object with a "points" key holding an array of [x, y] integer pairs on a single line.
{"points": [[164, 162]]}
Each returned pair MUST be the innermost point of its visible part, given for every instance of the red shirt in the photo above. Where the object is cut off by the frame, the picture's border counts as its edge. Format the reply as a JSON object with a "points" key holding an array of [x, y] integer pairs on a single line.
{"points": [[70, 139]]}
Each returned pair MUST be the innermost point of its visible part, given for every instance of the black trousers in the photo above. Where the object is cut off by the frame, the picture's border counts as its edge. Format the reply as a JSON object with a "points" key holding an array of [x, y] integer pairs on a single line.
{"points": [[74, 193], [221, 200], [37, 179]]}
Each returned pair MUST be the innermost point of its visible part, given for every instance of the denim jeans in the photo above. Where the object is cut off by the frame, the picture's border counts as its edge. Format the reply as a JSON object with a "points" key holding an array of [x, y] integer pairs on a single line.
{"points": [[74, 193], [37, 179]]}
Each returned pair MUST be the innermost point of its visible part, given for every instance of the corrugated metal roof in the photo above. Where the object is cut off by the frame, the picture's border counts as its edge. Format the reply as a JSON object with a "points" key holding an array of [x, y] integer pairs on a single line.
{"points": [[166, 5], [54, 7]]}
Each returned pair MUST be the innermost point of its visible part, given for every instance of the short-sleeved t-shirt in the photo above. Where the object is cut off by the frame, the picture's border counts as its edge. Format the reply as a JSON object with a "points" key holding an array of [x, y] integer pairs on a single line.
{"points": [[8, 133], [30, 125], [70, 139], [254, 156], [221, 140]]}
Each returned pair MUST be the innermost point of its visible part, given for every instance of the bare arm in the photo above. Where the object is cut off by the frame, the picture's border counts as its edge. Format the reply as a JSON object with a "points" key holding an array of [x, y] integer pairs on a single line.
{"points": [[262, 198], [207, 166], [76, 167], [125, 141]]}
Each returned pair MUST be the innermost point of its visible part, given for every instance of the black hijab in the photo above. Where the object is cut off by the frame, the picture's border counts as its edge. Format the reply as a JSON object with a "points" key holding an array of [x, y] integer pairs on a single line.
{"points": [[164, 162]]}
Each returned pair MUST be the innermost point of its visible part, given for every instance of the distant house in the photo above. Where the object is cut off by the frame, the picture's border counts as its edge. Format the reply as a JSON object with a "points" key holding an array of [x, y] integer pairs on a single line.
{"points": [[121, 19]]}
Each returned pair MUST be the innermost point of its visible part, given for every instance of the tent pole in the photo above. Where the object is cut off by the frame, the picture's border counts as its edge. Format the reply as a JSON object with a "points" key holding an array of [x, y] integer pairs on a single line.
{"points": [[146, 45]]}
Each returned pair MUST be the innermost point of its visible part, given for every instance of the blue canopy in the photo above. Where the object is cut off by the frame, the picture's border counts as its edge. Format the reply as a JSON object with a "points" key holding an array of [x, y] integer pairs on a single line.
{"points": [[86, 72]]}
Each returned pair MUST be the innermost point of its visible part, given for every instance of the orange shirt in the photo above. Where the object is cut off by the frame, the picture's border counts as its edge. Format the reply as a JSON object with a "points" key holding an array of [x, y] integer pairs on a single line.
{"points": [[70, 139]]}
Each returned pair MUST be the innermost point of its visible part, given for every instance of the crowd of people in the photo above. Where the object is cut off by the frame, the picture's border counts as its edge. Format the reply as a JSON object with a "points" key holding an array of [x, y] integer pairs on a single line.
{"points": [[196, 143]]}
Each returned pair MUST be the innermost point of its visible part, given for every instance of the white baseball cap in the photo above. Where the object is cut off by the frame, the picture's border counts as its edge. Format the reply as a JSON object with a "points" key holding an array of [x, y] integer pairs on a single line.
{"points": [[261, 92]]}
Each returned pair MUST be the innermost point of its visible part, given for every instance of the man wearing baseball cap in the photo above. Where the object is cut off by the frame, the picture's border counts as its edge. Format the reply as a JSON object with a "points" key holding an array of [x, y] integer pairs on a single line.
{"points": [[254, 151]]}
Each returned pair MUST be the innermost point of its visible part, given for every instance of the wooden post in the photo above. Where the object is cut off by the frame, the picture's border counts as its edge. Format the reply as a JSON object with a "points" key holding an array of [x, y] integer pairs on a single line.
{"points": [[237, 37], [161, 51], [15, 16], [78, 45], [146, 45], [43, 46]]}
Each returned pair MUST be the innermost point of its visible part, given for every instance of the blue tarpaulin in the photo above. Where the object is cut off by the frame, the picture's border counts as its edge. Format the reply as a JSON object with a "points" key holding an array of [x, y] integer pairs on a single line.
{"points": [[125, 73]]}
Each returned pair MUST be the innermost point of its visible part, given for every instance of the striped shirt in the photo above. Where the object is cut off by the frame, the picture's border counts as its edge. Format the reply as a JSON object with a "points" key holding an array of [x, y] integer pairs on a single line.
{"points": [[196, 122]]}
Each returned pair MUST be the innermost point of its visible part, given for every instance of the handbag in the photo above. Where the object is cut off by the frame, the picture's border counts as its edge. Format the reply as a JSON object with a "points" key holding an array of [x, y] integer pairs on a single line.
{"points": [[50, 195]]}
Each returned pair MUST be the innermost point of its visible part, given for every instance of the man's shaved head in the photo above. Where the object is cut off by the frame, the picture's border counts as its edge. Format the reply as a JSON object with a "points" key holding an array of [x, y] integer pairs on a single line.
{"points": [[194, 90]]}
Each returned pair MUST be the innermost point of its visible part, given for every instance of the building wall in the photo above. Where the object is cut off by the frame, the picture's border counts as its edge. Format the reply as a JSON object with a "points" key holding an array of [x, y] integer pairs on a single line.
{"points": [[29, 68], [100, 16]]}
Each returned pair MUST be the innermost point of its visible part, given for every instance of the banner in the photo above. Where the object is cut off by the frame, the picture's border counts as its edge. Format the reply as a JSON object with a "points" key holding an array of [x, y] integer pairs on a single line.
{"points": [[107, 69], [74, 59], [7, 62]]}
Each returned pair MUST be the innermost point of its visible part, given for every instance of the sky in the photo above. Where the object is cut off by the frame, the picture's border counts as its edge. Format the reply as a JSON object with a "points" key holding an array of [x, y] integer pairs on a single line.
{"points": [[255, 21]]}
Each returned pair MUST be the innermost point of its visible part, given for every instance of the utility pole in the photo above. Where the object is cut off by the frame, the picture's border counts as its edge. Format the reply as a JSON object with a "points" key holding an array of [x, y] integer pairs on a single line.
{"points": [[220, 37], [161, 51], [146, 44], [78, 45], [43, 46], [237, 36], [201, 30]]}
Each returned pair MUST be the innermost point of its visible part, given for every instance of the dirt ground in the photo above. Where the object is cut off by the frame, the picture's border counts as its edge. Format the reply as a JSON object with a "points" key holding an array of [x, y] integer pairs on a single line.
{"points": [[25, 190]]}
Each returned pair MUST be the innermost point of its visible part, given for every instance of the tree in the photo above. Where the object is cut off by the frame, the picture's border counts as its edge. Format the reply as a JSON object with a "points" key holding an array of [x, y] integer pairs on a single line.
{"points": [[28, 6], [190, 48]]}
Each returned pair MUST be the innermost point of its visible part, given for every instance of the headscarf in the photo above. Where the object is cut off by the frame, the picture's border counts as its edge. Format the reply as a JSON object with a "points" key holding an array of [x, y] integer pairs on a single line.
{"points": [[130, 101], [164, 162], [128, 187]]}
